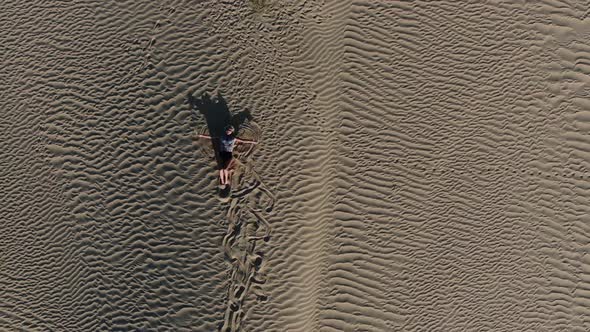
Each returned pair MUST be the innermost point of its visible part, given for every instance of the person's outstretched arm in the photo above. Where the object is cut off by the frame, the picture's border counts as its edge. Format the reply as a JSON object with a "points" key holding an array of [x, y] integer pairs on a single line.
{"points": [[206, 136], [243, 141]]}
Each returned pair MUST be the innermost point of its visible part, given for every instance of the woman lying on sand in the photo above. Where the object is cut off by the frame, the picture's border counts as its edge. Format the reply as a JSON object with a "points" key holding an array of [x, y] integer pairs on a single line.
{"points": [[226, 147]]}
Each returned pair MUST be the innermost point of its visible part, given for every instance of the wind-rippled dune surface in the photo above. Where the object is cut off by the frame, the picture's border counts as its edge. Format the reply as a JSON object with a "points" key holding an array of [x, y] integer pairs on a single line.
{"points": [[421, 166]]}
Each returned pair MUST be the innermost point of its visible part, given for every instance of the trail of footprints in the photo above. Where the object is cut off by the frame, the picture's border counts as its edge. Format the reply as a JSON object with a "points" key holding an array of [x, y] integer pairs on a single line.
{"points": [[247, 229]]}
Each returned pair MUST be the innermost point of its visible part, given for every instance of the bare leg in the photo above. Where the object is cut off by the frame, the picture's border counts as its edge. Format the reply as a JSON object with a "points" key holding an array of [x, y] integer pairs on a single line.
{"points": [[226, 173], [221, 176], [229, 170]]}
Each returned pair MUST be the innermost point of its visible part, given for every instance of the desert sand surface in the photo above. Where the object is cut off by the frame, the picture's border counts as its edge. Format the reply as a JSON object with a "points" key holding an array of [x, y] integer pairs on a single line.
{"points": [[421, 166]]}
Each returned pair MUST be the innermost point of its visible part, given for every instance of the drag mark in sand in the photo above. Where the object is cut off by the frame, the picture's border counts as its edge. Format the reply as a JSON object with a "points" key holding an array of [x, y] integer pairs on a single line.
{"points": [[245, 218], [248, 200]]}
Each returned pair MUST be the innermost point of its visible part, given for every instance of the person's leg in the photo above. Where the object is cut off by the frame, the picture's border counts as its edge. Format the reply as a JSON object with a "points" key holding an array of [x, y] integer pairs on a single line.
{"points": [[226, 170], [226, 176], [222, 172]]}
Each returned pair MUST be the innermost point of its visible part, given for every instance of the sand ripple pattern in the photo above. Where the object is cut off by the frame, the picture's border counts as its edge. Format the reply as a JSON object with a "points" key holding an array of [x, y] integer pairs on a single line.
{"points": [[426, 164], [463, 180]]}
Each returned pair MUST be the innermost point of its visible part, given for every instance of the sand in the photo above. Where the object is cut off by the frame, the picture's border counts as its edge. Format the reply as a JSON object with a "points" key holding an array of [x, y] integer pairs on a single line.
{"points": [[421, 166]]}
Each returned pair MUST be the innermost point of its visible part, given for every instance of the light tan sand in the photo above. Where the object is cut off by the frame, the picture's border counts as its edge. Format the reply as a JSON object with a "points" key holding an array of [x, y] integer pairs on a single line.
{"points": [[422, 166]]}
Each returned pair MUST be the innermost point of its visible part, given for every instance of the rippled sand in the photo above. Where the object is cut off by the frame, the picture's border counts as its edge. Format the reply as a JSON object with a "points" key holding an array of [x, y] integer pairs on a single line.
{"points": [[422, 166]]}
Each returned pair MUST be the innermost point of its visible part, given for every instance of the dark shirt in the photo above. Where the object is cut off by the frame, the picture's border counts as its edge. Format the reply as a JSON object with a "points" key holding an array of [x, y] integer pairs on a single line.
{"points": [[227, 143]]}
